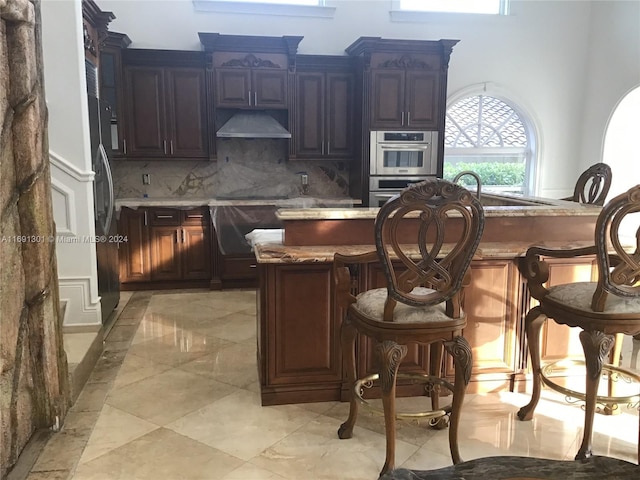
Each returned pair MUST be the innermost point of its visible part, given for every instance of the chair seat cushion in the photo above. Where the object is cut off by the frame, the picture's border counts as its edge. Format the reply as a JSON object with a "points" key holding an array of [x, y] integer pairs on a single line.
{"points": [[371, 304], [578, 296]]}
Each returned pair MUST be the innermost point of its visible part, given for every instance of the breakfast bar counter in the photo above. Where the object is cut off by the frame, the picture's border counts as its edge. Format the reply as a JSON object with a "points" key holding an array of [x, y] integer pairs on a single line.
{"points": [[299, 357]]}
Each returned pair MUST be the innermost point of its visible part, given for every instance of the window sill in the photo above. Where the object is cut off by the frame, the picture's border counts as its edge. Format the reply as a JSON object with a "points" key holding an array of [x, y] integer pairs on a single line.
{"points": [[221, 6]]}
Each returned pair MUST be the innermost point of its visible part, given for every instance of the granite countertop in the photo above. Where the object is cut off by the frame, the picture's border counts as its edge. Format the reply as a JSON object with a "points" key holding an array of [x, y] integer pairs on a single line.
{"points": [[543, 208], [273, 251], [192, 202]]}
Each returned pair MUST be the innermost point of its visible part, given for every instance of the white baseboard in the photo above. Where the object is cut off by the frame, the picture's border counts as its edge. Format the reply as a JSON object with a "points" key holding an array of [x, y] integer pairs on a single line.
{"points": [[81, 310]]}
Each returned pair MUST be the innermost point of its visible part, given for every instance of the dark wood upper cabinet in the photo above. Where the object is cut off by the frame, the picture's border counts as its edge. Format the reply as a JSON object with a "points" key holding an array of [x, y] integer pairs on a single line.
{"points": [[166, 114], [146, 120], [324, 99], [404, 99], [187, 115], [111, 82], [405, 81], [232, 87], [421, 99], [251, 88], [309, 129], [388, 99], [269, 88]]}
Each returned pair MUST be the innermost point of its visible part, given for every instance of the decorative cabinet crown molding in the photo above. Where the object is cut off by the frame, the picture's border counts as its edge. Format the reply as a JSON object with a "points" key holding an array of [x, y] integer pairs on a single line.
{"points": [[287, 45], [95, 26], [250, 61], [406, 62]]}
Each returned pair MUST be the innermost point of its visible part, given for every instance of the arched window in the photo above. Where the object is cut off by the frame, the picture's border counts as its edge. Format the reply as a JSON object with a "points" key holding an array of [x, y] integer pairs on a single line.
{"points": [[486, 135]]}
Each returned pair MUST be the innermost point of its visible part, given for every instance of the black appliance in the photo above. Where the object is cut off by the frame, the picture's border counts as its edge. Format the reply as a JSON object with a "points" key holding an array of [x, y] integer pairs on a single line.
{"points": [[104, 200]]}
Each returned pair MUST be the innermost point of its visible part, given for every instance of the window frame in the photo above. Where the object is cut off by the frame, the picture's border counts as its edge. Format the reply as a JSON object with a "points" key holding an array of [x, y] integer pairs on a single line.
{"points": [[396, 6], [532, 132], [264, 8]]}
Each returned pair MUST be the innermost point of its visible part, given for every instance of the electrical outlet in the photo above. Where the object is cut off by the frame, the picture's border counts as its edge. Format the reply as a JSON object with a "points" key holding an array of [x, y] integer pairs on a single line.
{"points": [[146, 179]]}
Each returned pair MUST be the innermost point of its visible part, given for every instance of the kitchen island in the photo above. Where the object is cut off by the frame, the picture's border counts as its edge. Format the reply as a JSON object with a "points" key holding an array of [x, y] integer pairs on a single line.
{"points": [[299, 357]]}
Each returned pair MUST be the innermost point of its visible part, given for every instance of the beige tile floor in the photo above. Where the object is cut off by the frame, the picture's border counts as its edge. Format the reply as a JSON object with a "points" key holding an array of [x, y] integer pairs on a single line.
{"points": [[176, 396]]}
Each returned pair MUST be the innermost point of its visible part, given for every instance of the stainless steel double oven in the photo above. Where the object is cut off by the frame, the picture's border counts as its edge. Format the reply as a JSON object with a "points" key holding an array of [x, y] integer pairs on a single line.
{"points": [[398, 159]]}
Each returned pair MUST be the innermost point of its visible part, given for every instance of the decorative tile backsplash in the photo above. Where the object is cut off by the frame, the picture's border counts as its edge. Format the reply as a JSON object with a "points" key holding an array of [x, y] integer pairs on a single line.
{"points": [[245, 168]]}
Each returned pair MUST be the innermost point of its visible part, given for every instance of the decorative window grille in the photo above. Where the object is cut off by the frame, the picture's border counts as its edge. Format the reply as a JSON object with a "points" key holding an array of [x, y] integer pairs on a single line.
{"points": [[486, 135]]}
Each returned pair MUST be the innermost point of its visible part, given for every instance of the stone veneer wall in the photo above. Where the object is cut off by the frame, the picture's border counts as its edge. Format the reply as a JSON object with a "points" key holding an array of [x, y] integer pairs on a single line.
{"points": [[33, 368], [256, 167]]}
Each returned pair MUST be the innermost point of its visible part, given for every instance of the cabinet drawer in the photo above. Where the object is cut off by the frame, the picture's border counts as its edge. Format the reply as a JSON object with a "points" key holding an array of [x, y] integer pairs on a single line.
{"points": [[164, 216], [195, 216], [244, 266]]}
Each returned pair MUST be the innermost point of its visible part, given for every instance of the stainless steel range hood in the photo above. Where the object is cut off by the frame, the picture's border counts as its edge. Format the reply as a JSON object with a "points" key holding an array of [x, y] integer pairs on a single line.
{"points": [[252, 124]]}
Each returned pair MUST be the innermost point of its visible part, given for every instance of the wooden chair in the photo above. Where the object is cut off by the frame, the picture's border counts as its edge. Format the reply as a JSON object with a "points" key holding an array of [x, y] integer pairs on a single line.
{"points": [[425, 238], [602, 309], [593, 185]]}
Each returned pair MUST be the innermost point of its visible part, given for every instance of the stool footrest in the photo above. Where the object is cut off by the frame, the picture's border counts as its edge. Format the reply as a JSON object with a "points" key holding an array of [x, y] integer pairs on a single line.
{"points": [[547, 369], [367, 382]]}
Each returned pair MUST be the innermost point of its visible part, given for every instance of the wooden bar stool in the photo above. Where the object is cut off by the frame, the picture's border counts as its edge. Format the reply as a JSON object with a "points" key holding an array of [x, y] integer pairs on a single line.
{"points": [[593, 185], [602, 309], [425, 239]]}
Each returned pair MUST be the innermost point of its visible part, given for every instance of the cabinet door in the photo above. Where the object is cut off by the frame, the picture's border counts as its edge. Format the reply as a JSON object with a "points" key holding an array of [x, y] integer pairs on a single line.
{"points": [[145, 123], [239, 267], [490, 303], [111, 91], [421, 104], [303, 343], [187, 117], [388, 99], [232, 87], [196, 253], [269, 88], [165, 253], [135, 262], [339, 115], [310, 100]]}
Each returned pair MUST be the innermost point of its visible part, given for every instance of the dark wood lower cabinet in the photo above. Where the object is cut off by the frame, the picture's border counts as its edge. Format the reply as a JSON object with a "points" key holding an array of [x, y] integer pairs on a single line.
{"points": [[164, 248], [299, 347], [134, 254]]}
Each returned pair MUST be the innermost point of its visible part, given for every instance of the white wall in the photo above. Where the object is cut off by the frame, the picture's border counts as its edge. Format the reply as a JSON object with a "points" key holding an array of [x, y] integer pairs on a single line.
{"points": [[539, 54], [69, 152], [613, 71]]}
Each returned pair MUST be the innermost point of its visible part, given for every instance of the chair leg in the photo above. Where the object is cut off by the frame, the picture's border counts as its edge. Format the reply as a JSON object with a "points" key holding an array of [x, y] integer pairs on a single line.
{"points": [[460, 350], [614, 359], [348, 340], [435, 369], [533, 323], [596, 346], [390, 356]]}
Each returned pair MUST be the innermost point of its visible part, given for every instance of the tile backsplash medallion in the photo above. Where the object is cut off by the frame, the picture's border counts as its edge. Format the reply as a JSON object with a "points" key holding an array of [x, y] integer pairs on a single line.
{"points": [[245, 168]]}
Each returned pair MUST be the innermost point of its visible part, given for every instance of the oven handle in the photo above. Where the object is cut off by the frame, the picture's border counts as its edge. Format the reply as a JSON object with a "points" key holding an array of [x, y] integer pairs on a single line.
{"points": [[384, 195], [422, 146]]}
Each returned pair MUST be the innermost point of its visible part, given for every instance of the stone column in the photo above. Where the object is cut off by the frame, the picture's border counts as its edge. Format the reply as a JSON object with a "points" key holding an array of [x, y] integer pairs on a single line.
{"points": [[34, 389]]}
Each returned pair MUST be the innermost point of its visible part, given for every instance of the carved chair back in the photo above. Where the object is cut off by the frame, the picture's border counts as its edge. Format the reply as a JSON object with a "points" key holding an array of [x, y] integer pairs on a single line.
{"points": [[426, 236], [618, 269], [593, 185]]}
